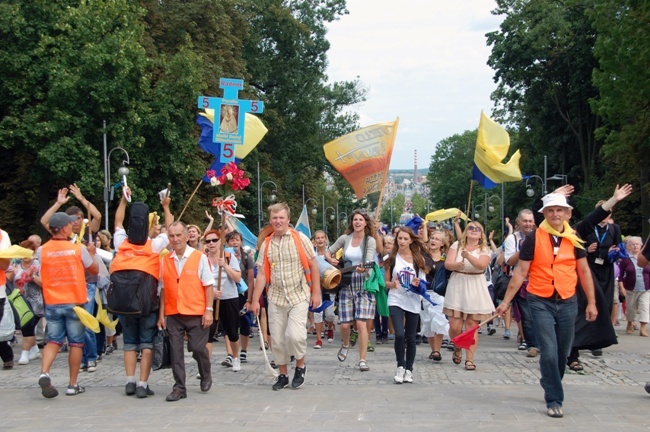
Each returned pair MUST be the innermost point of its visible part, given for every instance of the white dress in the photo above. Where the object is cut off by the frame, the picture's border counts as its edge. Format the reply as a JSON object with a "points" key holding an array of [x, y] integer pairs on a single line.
{"points": [[467, 292]]}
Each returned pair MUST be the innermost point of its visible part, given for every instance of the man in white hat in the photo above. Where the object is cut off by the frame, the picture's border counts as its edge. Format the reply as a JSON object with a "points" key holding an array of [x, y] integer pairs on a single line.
{"points": [[554, 259]]}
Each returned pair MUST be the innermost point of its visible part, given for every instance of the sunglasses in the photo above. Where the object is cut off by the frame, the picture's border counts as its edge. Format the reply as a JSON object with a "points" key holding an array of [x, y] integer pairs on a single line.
{"points": [[211, 240], [473, 228]]}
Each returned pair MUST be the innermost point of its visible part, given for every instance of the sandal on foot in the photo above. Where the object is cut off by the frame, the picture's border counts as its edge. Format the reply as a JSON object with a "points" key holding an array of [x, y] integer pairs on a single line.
{"points": [[435, 356], [458, 356], [575, 366], [469, 365], [363, 366], [555, 412], [343, 353]]}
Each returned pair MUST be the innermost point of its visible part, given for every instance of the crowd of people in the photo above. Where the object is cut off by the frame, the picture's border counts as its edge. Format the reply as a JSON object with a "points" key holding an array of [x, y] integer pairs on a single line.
{"points": [[562, 284]]}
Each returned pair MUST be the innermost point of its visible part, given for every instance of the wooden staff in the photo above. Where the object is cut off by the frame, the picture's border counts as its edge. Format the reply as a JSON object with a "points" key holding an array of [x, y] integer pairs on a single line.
{"points": [[469, 198], [190, 199], [222, 235]]}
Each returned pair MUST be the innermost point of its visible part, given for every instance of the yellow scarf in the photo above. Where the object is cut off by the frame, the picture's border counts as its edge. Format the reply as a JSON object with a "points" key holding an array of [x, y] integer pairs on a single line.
{"points": [[568, 233]]}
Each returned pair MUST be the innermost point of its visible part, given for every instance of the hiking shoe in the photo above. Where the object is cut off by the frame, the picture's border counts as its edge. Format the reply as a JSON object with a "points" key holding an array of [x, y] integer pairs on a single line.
{"points": [[353, 338], [507, 334], [74, 390], [47, 389], [243, 356], [142, 392], [236, 365], [491, 330], [399, 375], [408, 376], [282, 382], [555, 412], [330, 335], [130, 389], [83, 368], [92, 367], [318, 344], [227, 362], [299, 377], [109, 350], [384, 339], [597, 352]]}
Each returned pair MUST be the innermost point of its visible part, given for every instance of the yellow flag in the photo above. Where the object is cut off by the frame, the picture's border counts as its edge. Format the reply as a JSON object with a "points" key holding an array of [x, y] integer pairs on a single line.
{"points": [[363, 157], [492, 145]]}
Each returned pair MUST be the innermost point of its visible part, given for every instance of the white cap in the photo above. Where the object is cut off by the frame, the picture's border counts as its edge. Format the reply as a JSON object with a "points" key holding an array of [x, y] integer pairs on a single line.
{"points": [[554, 199]]}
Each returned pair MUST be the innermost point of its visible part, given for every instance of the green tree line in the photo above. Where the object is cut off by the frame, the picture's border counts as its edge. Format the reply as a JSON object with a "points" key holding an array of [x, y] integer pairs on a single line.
{"points": [[573, 84], [70, 65]]}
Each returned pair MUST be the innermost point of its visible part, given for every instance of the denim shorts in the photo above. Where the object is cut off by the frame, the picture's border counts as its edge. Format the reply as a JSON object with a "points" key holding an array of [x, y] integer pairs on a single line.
{"points": [[62, 322], [138, 333]]}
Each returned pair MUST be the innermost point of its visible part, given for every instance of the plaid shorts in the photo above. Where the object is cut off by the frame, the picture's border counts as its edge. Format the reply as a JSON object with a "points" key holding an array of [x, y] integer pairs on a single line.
{"points": [[355, 303]]}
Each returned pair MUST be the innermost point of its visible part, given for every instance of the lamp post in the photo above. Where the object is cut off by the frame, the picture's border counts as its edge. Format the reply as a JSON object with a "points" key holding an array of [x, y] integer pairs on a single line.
{"points": [[260, 189], [122, 171], [338, 223], [491, 209], [475, 212], [332, 217], [529, 190]]}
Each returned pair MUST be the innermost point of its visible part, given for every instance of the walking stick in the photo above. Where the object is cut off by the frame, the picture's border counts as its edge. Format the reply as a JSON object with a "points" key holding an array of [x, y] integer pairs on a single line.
{"points": [[190, 199]]}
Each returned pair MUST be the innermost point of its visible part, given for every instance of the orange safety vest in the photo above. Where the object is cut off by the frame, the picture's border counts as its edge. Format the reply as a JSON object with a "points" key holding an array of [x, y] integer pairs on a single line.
{"points": [[549, 273], [301, 251], [137, 257], [62, 272], [184, 294]]}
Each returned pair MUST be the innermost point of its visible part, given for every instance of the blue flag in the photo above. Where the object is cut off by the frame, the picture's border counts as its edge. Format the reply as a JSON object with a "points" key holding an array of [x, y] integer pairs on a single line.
{"points": [[303, 223]]}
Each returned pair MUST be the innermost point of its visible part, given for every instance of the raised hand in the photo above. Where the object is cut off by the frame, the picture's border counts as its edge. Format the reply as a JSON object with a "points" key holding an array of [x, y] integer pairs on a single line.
{"points": [[622, 192], [565, 190], [63, 197], [76, 192]]}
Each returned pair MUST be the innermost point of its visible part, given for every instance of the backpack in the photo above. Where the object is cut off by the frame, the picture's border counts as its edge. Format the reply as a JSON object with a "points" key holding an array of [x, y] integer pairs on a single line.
{"points": [[138, 223], [500, 280], [133, 293]]}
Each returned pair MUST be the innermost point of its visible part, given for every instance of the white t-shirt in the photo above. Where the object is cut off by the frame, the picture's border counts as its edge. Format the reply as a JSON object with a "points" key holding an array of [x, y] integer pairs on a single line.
{"points": [[228, 286], [354, 255], [400, 297]]}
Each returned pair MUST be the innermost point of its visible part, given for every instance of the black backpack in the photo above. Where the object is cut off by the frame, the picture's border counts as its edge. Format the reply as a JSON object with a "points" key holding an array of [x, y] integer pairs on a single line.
{"points": [[138, 223], [133, 293]]}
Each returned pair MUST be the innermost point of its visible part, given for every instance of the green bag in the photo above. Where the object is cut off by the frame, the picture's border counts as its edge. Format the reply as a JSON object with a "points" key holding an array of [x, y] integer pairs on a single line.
{"points": [[20, 306]]}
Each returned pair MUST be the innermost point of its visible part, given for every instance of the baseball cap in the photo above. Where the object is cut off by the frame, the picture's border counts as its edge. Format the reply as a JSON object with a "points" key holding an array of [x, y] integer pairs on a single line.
{"points": [[60, 219]]}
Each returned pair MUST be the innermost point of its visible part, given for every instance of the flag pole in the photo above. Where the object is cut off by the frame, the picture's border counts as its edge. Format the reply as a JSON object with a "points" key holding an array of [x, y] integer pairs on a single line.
{"points": [[190, 199], [383, 184], [469, 198]]}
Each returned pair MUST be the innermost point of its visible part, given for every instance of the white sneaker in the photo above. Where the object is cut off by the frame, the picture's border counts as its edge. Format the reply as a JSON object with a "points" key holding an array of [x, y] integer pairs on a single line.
{"points": [[399, 375], [34, 353], [236, 364], [408, 376], [24, 358]]}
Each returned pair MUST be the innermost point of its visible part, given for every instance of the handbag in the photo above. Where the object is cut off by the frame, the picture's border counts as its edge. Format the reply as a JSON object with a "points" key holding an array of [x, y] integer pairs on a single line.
{"points": [[161, 351], [21, 308], [440, 281]]}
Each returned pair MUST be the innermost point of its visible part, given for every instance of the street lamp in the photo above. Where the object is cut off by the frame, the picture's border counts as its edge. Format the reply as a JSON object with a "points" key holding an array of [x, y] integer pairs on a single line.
{"points": [[529, 190], [314, 211], [492, 209], [123, 171], [332, 216], [338, 222]]}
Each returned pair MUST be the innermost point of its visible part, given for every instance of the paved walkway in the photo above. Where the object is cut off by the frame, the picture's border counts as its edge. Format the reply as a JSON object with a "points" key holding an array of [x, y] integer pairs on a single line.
{"points": [[502, 393]]}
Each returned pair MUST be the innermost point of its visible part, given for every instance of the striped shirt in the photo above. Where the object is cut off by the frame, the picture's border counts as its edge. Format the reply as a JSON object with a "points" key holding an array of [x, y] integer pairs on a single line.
{"points": [[288, 285]]}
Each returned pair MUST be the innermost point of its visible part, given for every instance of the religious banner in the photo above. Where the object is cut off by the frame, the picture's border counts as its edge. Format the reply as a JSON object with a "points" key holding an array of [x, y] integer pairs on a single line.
{"points": [[229, 116], [363, 157]]}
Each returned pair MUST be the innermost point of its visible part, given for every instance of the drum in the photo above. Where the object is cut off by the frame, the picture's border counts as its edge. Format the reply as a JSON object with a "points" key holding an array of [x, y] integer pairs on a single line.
{"points": [[330, 276]]}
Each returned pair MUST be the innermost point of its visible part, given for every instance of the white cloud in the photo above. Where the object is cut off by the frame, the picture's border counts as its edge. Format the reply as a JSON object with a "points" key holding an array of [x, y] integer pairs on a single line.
{"points": [[424, 61]]}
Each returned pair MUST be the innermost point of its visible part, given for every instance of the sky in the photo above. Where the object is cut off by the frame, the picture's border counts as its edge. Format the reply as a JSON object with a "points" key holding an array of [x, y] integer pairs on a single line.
{"points": [[424, 61]]}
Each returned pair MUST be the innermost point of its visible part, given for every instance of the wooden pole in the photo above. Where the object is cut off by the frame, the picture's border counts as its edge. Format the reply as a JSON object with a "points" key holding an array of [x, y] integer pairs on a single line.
{"points": [[191, 196], [469, 198], [222, 239]]}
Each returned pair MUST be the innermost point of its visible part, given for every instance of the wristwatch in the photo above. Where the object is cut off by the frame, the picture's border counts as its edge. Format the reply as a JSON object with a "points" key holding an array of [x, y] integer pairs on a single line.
{"points": [[209, 309]]}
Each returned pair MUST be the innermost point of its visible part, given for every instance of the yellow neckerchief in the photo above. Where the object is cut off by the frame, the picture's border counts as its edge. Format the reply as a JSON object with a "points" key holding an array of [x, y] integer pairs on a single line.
{"points": [[79, 237], [568, 233]]}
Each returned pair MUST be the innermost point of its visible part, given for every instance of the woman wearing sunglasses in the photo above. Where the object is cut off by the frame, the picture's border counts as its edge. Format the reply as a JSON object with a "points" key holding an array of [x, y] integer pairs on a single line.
{"points": [[467, 300]]}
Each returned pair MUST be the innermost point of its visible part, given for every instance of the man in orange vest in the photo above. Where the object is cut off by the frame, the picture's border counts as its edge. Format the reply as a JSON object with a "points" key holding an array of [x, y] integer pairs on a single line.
{"points": [[554, 259], [287, 266], [143, 262], [186, 300], [64, 287]]}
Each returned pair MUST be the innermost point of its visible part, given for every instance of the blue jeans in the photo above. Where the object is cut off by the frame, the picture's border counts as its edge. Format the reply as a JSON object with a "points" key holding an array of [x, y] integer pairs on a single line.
{"points": [[90, 346], [554, 321], [526, 321], [62, 321]]}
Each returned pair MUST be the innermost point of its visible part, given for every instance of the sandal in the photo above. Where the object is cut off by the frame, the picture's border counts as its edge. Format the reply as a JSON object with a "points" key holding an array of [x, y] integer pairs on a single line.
{"points": [[458, 356], [435, 356], [363, 366], [469, 365], [343, 353], [575, 366]]}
